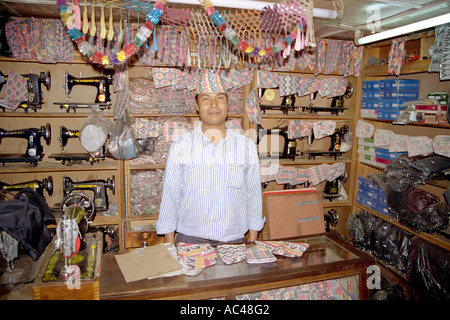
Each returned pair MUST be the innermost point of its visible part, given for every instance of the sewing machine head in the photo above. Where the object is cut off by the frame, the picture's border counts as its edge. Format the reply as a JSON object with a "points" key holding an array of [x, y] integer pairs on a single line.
{"points": [[66, 134], [34, 150], [99, 187], [102, 84], [34, 81], [36, 185], [289, 147]]}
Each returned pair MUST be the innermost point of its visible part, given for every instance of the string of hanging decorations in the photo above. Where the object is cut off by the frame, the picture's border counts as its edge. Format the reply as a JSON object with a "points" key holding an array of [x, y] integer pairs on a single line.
{"points": [[294, 12]]}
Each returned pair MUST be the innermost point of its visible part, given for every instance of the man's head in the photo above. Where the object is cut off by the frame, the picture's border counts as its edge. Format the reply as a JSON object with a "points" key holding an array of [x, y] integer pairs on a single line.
{"points": [[211, 99]]}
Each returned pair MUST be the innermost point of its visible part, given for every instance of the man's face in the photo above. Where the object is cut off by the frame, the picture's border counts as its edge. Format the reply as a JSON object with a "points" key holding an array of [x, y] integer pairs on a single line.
{"points": [[212, 108]]}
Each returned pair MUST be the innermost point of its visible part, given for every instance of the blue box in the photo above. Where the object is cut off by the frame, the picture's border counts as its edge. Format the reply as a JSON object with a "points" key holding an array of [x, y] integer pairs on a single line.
{"points": [[392, 104], [385, 154], [399, 94], [371, 85], [371, 94], [370, 104], [399, 84], [387, 114]]}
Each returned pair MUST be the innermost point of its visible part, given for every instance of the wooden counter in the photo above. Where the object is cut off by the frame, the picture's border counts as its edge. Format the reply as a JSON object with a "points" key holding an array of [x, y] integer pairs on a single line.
{"points": [[327, 259]]}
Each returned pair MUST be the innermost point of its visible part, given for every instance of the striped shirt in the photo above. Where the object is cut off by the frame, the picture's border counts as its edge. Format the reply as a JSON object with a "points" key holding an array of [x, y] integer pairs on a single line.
{"points": [[212, 192]]}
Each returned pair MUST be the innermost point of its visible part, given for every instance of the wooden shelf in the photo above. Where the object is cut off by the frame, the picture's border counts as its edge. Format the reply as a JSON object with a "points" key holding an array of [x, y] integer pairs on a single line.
{"points": [[9, 168], [434, 238], [418, 66], [420, 124]]}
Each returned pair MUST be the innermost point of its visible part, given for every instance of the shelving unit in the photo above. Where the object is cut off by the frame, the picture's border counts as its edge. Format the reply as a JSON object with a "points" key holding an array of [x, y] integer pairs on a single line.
{"points": [[13, 173], [429, 82]]}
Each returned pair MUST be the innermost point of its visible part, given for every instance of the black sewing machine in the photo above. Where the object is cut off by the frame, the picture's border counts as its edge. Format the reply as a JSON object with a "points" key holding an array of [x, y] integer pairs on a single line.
{"points": [[35, 95], [33, 136], [36, 185], [73, 158], [290, 145], [337, 104], [335, 144], [288, 103], [332, 188], [100, 199], [102, 99]]}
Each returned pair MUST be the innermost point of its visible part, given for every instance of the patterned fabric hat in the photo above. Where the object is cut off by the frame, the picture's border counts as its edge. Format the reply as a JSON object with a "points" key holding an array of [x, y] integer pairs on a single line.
{"points": [[209, 82]]}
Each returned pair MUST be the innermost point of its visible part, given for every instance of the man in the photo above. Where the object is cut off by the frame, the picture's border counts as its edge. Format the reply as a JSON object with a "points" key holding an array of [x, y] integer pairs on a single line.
{"points": [[212, 184]]}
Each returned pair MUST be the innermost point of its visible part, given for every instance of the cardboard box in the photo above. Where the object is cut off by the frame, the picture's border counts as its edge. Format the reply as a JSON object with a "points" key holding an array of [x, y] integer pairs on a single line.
{"points": [[400, 84], [399, 94], [292, 213]]}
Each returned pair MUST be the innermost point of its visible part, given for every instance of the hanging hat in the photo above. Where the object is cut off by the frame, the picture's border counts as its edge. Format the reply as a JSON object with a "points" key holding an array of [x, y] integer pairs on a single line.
{"points": [[209, 82]]}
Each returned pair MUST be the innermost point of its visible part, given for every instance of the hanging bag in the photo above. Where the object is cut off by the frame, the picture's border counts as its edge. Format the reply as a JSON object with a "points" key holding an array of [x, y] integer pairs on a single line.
{"points": [[122, 145]]}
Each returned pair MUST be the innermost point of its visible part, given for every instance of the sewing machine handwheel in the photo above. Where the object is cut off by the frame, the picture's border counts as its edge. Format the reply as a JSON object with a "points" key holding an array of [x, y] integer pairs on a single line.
{"points": [[48, 185], [48, 80], [111, 184], [349, 90], [78, 199], [47, 133], [344, 177]]}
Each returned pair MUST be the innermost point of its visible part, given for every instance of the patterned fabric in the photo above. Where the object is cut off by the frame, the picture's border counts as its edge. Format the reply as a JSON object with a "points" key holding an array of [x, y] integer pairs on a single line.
{"points": [[284, 248], [398, 143], [146, 191], [320, 57], [397, 55], [187, 79], [173, 128], [231, 253], [266, 79], [209, 82], [196, 256], [286, 175], [16, 90], [319, 173], [419, 146], [39, 39], [335, 170], [333, 55], [333, 87], [288, 84], [321, 290], [147, 128], [252, 107], [235, 78], [323, 128], [299, 129], [259, 254], [269, 171], [364, 129], [382, 137], [308, 86], [235, 124], [441, 145], [302, 176], [164, 77]]}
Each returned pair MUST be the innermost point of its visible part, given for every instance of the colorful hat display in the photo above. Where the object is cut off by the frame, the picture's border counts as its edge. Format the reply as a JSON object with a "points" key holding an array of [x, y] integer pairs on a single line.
{"points": [[209, 82]]}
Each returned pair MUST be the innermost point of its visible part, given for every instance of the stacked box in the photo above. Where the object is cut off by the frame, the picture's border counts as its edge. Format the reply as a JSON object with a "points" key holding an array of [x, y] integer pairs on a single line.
{"points": [[367, 151], [371, 97], [383, 156], [393, 94], [371, 196], [442, 97]]}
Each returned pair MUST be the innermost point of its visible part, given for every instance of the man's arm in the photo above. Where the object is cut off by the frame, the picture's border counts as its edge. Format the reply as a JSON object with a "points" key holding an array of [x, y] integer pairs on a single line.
{"points": [[169, 237]]}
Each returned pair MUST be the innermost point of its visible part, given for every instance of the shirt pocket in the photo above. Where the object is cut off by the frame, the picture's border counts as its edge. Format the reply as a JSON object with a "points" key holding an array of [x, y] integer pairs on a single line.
{"points": [[235, 176]]}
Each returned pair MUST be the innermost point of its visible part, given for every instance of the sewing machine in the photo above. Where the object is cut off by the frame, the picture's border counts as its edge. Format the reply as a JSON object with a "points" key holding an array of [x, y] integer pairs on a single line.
{"points": [[337, 103], [36, 185], [102, 99], [332, 188], [73, 158], [290, 145], [288, 102], [35, 95], [34, 152], [98, 187], [335, 144]]}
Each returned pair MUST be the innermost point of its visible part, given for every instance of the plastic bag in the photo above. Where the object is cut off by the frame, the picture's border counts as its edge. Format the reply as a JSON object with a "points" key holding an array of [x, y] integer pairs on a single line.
{"points": [[95, 131], [122, 144], [430, 268]]}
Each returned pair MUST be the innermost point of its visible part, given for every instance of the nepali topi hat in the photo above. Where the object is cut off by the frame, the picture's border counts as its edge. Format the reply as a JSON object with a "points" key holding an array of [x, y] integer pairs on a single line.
{"points": [[209, 82]]}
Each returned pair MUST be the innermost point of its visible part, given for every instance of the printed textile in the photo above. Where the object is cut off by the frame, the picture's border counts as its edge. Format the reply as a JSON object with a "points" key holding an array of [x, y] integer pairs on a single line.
{"points": [[16, 91], [259, 254], [252, 107], [196, 256], [323, 128], [299, 129], [231, 253], [284, 248], [364, 129], [419, 146], [441, 145]]}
